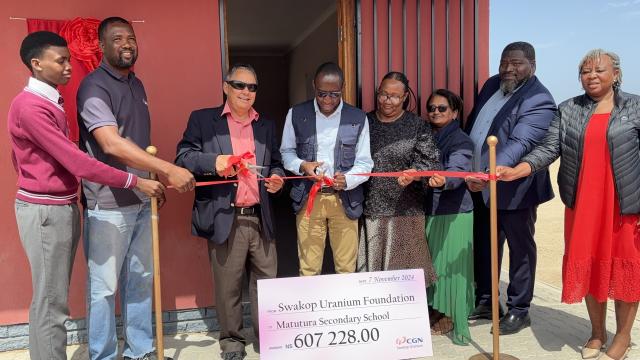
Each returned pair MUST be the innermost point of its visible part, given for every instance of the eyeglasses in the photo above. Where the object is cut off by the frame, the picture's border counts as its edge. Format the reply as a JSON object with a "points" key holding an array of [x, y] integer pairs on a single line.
{"points": [[393, 98], [241, 85], [440, 108], [331, 94]]}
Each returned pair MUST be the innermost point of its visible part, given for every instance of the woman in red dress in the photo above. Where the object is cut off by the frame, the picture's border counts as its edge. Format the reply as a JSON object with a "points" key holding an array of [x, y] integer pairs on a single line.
{"points": [[596, 136]]}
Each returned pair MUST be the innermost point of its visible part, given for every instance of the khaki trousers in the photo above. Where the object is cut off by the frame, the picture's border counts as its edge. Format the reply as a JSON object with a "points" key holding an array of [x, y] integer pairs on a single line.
{"points": [[312, 232]]}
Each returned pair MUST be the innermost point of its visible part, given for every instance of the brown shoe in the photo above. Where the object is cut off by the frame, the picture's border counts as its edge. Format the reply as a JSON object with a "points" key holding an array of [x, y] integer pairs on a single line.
{"points": [[442, 326]]}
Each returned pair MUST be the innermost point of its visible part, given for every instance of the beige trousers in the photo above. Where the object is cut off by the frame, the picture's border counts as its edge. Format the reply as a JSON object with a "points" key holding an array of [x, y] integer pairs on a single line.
{"points": [[327, 213]]}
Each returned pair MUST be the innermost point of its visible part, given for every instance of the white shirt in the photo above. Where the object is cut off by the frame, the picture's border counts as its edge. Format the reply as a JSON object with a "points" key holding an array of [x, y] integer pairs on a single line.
{"points": [[44, 90], [326, 135]]}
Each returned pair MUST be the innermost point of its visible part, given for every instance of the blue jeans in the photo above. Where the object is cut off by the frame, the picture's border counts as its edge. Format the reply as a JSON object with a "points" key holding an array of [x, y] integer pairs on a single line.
{"points": [[117, 244]]}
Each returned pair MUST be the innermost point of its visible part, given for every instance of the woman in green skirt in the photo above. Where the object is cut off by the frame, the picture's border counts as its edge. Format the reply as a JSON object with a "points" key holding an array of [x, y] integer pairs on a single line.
{"points": [[449, 226]]}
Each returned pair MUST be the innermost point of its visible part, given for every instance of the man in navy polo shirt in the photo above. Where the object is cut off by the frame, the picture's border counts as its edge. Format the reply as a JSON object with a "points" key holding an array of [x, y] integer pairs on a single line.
{"points": [[114, 128]]}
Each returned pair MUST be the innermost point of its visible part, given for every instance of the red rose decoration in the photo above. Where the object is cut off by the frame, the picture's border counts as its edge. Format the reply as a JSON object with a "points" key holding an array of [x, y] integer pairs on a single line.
{"points": [[82, 38]]}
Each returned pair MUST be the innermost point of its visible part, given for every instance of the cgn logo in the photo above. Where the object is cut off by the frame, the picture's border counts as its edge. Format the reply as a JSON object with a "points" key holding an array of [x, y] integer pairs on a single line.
{"points": [[403, 341]]}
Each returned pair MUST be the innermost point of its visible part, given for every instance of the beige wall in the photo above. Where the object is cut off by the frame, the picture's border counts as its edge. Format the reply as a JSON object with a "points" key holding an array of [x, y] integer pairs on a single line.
{"points": [[319, 47]]}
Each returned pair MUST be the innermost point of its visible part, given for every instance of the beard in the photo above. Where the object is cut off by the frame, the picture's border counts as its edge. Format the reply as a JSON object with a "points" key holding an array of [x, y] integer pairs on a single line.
{"points": [[126, 63], [508, 86]]}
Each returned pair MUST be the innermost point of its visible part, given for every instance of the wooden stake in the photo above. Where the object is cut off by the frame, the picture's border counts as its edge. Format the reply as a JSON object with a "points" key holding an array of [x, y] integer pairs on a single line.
{"points": [[157, 290], [492, 141]]}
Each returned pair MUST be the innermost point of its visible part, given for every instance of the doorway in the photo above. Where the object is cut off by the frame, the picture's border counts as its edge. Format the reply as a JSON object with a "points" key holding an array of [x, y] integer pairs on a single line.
{"points": [[285, 41]]}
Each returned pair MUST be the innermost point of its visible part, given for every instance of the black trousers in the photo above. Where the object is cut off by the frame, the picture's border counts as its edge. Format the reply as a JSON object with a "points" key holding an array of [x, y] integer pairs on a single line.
{"points": [[518, 228]]}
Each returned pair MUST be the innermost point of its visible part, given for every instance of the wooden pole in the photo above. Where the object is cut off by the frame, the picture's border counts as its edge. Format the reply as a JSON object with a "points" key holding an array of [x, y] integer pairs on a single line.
{"points": [[157, 290], [492, 141]]}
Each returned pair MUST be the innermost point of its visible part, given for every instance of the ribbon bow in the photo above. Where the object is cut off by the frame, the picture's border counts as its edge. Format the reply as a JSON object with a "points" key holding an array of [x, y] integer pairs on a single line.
{"points": [[314, 191], [238, 161]]}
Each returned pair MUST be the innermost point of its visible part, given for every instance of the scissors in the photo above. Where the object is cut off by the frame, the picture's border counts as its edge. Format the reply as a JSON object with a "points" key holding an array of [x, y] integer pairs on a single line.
{"points": [[254, 169]]}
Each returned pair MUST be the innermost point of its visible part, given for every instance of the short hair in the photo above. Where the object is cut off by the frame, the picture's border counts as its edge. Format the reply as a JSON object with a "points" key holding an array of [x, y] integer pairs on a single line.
{"points": [[594, 56], [396, 75], [455, 102], [329, 68], [241, 66], [104, 24], [525, 47], [35, 43]]}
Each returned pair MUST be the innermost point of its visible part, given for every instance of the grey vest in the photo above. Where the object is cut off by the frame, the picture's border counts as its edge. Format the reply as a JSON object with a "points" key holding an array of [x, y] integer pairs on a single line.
{"points": [[303, 119]]}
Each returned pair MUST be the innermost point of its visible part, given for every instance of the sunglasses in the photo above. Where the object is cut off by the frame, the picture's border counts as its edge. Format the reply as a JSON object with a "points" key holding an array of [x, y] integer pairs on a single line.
{"points": [[440, 108], [331, 94], [241, 85]]}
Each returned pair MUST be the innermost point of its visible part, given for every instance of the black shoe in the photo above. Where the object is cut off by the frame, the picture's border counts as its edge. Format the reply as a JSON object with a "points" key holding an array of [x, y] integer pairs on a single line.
{"points": [[483, 311], [233, 355], [149, 356], [511, 324]]}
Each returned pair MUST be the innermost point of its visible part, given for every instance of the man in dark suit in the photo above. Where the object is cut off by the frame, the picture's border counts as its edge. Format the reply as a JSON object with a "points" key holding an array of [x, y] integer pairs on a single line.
{"points": [[236, 218], [515, 107]]}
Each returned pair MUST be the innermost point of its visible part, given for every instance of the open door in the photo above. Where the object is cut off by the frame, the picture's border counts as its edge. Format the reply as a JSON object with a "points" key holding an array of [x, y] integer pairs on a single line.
{"points": [[270, 40], [285, 41]]}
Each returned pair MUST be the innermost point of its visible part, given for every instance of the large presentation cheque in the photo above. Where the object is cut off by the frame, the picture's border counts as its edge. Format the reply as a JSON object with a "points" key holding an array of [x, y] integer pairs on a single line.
{"points": [[376, 315]]}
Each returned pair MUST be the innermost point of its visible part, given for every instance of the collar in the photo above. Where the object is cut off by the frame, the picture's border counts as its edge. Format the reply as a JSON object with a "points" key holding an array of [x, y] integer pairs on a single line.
{"points": [[253, 114], [447, 130], [618, 99], [317, 108], [43, 89], [114, 73]]}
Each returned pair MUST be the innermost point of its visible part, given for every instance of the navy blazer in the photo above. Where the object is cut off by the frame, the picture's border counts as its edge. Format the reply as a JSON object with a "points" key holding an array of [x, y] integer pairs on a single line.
{"points": [[519, 126], [206, 137]]}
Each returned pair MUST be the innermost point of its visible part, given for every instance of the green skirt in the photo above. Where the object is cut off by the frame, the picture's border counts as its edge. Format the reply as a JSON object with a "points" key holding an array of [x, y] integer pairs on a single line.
{"points": [[450, 239]]}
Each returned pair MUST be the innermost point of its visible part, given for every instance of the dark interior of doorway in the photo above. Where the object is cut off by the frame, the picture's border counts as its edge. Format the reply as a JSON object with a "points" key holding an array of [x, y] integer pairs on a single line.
{"points": [[285, 41]]}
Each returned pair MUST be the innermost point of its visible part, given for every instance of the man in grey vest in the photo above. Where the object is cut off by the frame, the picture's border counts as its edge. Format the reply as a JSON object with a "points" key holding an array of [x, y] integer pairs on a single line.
{"points": [[327, 137]]}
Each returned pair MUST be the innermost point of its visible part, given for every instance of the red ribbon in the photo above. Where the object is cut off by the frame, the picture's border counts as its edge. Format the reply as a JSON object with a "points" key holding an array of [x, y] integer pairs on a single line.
{"points": [[314, 191], [429, 173], [239, 162], [453, 174]]}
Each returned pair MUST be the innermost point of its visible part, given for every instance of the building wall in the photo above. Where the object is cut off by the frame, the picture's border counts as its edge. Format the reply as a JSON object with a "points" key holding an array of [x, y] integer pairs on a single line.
{"points": [[436, 43], [180, 66]]}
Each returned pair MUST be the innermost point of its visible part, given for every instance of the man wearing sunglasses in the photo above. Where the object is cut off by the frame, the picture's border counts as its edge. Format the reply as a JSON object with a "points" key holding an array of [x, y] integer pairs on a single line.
{"points": [[236, 218], [327, 137], [515, 107]]}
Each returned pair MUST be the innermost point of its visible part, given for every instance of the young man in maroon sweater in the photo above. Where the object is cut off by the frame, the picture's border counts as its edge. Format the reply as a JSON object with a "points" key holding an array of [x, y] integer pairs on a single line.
{"points": [[48, 166]]}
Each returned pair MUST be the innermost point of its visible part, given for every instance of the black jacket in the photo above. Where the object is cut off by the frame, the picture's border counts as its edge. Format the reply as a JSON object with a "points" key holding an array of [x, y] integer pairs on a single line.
{"points": [[206, 137], [565, 139]]}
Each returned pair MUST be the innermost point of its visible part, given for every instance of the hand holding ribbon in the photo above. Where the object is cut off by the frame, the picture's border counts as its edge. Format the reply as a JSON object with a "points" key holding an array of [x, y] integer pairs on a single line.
{"points": [[437, 181], [230, 165], [407, 178], [273, 183], [339, 181]]}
